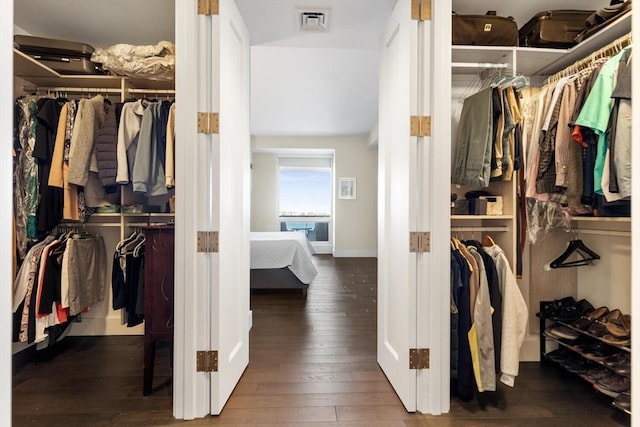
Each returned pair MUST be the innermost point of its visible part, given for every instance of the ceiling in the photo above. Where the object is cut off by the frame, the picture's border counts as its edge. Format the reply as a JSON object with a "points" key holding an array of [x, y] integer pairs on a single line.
{"points": [[302, 83]]}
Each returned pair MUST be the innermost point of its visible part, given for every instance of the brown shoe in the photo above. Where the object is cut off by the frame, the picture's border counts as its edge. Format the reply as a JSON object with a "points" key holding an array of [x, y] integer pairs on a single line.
{"points": [[620, 327], [618, 341], [588, 318], [599, 326]]}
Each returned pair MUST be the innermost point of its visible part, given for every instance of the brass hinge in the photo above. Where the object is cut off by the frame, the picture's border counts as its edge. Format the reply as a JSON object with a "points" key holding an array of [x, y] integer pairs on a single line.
{"points": [[420, 125], [419, 241], [208, 123], [207, 241], [418, 358], [207, 361], [208, 7], [421, 10]]}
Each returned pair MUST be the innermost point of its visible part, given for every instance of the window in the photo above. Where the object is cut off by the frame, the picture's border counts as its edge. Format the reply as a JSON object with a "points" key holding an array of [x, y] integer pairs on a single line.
{"points": [[305, 196]]}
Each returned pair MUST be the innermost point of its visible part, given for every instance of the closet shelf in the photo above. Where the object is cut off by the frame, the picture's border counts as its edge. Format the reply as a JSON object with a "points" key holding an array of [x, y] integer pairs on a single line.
{"points": [[601, 219], [478, 217], [40, 75], [536, 61]]}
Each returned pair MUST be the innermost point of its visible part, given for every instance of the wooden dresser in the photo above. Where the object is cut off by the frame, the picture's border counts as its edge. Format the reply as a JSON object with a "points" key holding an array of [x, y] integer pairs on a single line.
{"points": [[158, 294]]}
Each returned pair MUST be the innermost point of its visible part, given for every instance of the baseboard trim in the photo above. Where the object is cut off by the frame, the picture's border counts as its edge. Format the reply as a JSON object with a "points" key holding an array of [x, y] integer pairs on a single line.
{"points": [[355, 254]]}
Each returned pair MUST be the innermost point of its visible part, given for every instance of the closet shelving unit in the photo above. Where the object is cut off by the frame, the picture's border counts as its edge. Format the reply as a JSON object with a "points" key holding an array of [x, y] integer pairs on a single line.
{"points": [[44, 79], [546, 337], [467, 62], [31, 75]]}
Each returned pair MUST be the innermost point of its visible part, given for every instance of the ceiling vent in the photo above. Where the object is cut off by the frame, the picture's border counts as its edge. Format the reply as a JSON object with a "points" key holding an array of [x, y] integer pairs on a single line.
{"points": [[316, 20]]}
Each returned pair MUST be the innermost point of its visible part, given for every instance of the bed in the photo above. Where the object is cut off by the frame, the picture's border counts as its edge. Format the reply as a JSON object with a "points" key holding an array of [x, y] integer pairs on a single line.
{"points": [[281, 260]]}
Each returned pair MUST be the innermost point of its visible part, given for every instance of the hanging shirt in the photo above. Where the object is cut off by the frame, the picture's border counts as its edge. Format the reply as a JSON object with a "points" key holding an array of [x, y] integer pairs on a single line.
{"points": [[596, 111]]}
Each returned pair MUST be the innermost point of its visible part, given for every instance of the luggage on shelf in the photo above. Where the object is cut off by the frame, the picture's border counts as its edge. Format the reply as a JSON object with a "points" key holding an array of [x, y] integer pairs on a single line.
{"points": [[484, 30], [63, 56], [554, 28]]}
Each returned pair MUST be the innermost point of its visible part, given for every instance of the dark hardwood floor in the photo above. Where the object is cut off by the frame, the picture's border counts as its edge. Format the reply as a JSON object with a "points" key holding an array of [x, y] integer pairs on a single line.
{"points": [[312, 363]]}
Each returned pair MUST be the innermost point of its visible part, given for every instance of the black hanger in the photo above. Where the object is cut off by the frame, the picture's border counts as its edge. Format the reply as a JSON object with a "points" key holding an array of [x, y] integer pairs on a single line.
{"points": [[576, 246]]}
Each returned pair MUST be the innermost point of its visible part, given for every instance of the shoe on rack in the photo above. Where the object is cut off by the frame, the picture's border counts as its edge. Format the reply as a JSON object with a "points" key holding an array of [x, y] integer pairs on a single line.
{"points": [[598, 351], [616, 359], [572, 312], [578, 365], [620, 327], [614, 383], [596, 373], [559, 355], [589, 317], [560, 331], [619, 341], [623, 402], [623, 369], [599, 326], [555, 306]]}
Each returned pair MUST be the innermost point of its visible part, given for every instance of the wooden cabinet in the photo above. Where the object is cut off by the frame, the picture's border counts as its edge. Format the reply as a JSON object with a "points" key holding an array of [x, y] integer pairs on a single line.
{"points": [[158, 294]]}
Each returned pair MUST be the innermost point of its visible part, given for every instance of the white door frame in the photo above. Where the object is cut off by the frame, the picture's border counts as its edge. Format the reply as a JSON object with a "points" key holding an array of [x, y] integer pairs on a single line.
{"points": [[433, 317], [193, 271], [6, 203]]}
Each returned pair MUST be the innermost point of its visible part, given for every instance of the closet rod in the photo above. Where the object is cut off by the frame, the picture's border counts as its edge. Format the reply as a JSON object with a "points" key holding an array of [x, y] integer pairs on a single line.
{"points": [[153, 91], [612, 233], [478, 65], [479, 228], [89, 224], [606, 51], [70, 89]]}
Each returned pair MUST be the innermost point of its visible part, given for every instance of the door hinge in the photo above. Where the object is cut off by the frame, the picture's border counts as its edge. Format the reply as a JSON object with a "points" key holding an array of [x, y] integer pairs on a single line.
{"points": [[207, 361], [418, 358], [207, 241], [421, 10], [208, 123], [420, 125], [208, 7], [419, 241]]}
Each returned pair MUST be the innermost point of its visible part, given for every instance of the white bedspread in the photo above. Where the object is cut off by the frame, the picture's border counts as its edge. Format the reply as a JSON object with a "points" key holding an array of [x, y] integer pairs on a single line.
{"points": [[283, 249]]}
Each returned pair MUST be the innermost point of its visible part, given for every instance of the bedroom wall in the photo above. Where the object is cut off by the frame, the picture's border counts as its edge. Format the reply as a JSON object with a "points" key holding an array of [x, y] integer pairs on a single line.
{"points": [[264, 192], [355, 232]]}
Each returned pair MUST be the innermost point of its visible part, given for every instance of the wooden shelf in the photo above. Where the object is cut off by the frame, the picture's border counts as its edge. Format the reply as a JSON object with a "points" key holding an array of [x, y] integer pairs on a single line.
{"points": [[601, 219]]}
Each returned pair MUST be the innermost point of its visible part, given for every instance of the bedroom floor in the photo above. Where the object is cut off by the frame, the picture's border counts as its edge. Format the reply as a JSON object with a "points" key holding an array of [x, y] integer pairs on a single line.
{"points": [[312, 363]]}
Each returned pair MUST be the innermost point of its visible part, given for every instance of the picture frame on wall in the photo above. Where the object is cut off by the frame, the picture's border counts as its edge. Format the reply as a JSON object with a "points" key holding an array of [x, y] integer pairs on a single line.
{"points": [[347, 188]]}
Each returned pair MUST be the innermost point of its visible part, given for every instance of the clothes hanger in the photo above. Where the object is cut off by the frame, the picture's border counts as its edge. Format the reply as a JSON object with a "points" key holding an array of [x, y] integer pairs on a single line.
{"points": [[127, 240], [578, 247], [487, 241]]}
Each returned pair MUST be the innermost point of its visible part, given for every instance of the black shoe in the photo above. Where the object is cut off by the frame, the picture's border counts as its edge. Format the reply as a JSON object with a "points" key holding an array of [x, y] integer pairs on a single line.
{"points": [[617, 359], [623, 402], [559, 355], [578, 365], [553, 307], [572, 312]]}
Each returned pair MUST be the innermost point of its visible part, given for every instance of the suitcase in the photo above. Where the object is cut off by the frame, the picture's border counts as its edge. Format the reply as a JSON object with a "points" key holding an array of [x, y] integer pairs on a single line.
{"points": [[65, 57], [484, 30], [554, 28]]}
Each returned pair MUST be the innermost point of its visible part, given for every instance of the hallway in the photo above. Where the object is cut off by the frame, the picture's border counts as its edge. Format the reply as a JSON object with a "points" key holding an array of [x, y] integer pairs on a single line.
{"points": [[312, 364]]}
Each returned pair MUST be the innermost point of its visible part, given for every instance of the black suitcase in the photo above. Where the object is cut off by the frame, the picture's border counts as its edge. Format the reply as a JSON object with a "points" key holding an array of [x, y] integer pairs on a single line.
{"points": [[63, 56], [554, 28], [484, 30]]}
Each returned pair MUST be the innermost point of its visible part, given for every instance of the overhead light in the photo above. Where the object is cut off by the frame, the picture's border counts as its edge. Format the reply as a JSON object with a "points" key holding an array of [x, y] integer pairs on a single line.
{"points": [[316, 20]]}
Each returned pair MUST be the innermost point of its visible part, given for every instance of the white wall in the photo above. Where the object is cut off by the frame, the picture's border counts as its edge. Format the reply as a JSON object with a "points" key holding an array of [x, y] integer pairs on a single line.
{"points": [[355, 221], [264, 192], [6, 214]]}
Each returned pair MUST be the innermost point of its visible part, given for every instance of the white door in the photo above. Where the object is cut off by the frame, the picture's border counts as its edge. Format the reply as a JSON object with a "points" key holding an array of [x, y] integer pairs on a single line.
{"points": [[397, 204], [230, 315]]}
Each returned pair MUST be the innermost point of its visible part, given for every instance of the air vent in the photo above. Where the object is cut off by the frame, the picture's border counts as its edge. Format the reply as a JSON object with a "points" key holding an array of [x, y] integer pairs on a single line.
{"points": [[313, 20]]}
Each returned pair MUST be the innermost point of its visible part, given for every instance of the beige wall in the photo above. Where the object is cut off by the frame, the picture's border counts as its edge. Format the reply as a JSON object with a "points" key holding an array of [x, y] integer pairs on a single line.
{"points": [[355, 221], [264, 192]]}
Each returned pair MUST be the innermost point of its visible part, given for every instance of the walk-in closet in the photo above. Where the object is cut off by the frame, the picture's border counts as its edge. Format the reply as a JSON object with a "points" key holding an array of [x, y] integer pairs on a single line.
{"points": [[521, 306]]}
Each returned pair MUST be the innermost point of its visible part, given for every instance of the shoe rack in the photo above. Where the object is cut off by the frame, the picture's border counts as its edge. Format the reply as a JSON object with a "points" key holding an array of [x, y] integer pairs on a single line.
{"points": [[604, 365]]}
